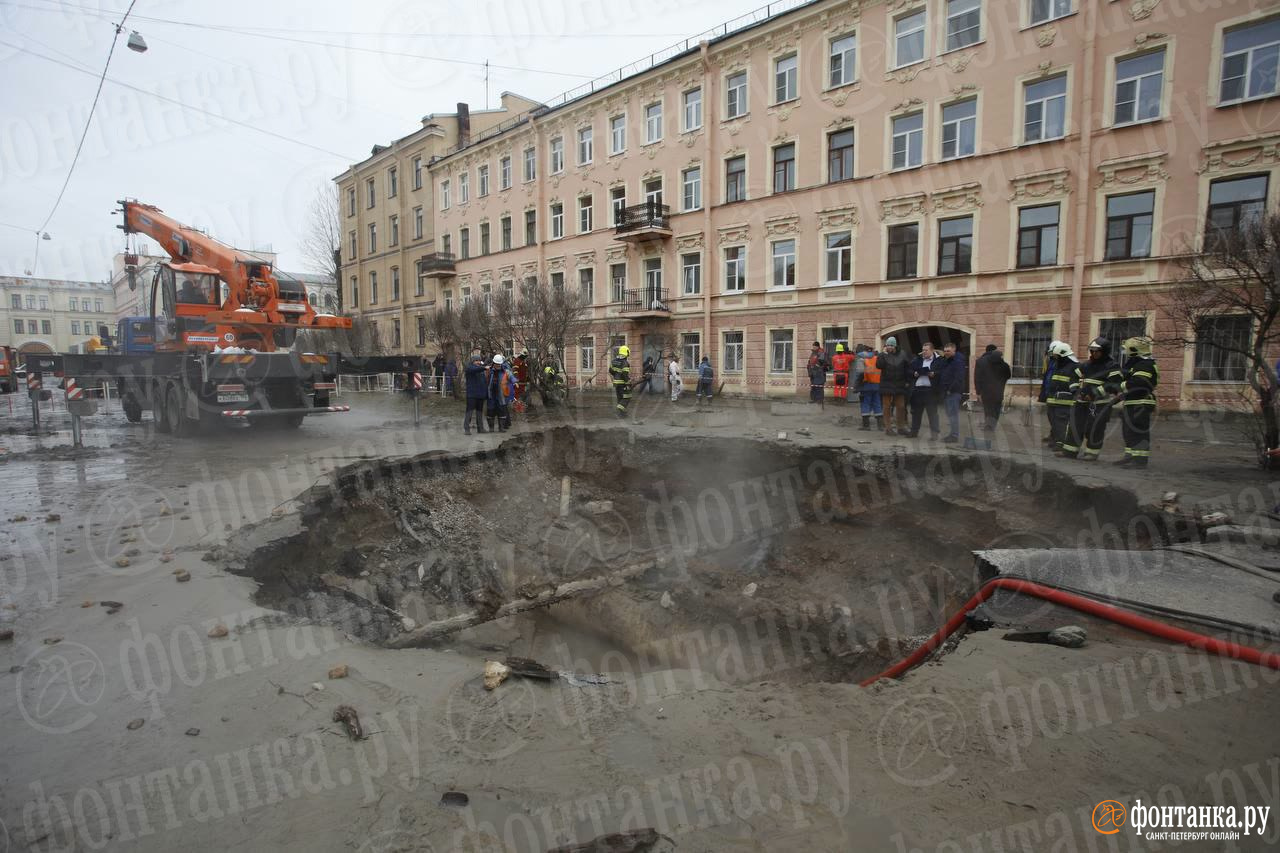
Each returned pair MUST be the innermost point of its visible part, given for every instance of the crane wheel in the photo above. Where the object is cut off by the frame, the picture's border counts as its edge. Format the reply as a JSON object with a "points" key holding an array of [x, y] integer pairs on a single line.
{"points": [[132, 409], [179, 424], [160, 409]]}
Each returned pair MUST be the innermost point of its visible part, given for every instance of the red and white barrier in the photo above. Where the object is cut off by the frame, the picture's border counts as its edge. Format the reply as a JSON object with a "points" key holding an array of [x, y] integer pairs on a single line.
{"points": [[74, 391]]}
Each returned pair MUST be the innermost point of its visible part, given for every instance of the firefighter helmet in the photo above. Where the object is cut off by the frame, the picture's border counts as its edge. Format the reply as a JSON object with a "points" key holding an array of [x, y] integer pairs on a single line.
{"points": [[1061, 350], [1137, 346], [839, 347], [1053, 347], [1102, 344], [624, 350]]}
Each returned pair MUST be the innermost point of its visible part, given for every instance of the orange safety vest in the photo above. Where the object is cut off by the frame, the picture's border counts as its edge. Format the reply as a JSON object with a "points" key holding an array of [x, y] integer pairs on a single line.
{"points": [[842, 362], [871, 373]]}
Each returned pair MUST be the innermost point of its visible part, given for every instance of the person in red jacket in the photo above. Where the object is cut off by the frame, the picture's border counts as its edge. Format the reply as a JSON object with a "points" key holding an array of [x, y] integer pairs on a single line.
{"points": [[842, 364]]}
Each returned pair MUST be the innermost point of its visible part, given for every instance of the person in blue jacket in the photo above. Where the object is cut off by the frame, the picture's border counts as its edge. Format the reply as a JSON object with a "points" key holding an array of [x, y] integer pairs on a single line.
{"points": [[502, 390], [706, 378], [955, 387], [477, 392]]}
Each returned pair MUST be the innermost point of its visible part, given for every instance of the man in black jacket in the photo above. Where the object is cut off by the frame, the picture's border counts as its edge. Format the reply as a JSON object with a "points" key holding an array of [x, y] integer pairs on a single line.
{"points": [[990, 375], [895, 382], [1097, 385], [926, 382], [954, 379], [1139, 404]]}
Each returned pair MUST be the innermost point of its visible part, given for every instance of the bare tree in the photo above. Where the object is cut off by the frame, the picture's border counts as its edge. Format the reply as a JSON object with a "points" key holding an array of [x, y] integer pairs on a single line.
{"points": [[1237, 274], [544, 320], [361, 339], [322, 235]]}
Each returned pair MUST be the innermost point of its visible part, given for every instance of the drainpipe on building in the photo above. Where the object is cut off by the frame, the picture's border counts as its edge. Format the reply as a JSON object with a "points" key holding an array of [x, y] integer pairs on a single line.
{"points": [[1084, 164], [710, 103]]}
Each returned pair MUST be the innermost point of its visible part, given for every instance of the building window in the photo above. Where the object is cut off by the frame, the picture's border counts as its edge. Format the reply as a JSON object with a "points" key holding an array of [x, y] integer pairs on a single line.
{"points": [[373, 287], [395, 333], [530, 164], [904, 245], [955, 246], [908, 39], [394, 231], [1031, 338], [839, 257], [448, 300], [1045, 110], [959, 129], [1038, 236], [842, 65], [653, 191], [784, 263], [693, 109], [422, 331], [586, 145], [782, 347], [31, 303], [840, 155], [908, 141], [504, 227], [373, 237], [785, 72], [735, 269], [735, 178], [732, 360], [690, 350], [393, 182], [1234, 205], [618, 282], [617, 134], [585, 217], [1222, 345], [31, 327], [417, 173], [75, 327], [1250, 55], [618, 201], [736, 95], [351, 255], [557, 281], [44, 304], [557, 155], [530, 227], [444, 195], [691, 273], [1129, 221], [17, 326], [691, 185], [1047, 10], [355, 292], [395, 284], [784, 168], [73, 303], [964, 23], [351, 201], [652, 281], [1117, 329], [465, 295], [464, 188], [586, 353], [484, 238], [15, 301], [587, 285], [446, 243], [371, 194], [832, 336], [420, 284], [1139, 80], [504, 173], [557, 221], [653, 122], [464, 243], [417, 223], [482, 177]]}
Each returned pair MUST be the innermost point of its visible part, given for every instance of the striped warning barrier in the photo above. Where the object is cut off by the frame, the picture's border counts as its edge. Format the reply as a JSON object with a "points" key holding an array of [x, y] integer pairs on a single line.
{"points": [[74, 391], [417, 381], [33, 381], [248, 413]]}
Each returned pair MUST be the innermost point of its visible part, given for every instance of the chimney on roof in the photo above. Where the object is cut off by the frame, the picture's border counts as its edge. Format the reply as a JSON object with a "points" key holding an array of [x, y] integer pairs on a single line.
{"points": [[464, 124]]}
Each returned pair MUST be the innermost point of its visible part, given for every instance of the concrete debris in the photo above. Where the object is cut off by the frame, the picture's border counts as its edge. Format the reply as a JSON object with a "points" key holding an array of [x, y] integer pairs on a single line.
{"points": [[182, 576], [192, 732], [317, 686], [52, 517], [1068, 636], [782, 436], [750, 589], [494, 674], [86, 604], [113, 607], [136, 724], [218, 631], [666, 601], [597, 507], [122, 562], [339, 671]]}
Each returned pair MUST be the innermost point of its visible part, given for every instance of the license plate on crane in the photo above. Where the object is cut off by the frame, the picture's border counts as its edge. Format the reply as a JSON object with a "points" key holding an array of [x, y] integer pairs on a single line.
{"points": [[232, 394]]}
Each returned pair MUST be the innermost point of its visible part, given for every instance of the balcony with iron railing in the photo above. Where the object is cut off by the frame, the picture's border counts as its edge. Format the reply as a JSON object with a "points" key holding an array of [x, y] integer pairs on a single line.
{"points": [[650, 220], [438, 265], [641, 303]]}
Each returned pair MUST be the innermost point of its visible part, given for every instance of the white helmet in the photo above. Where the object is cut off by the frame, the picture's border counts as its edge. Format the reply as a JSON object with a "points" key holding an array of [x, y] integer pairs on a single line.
{"points": [[1053, 347], [1062, 350], [498, 359]]}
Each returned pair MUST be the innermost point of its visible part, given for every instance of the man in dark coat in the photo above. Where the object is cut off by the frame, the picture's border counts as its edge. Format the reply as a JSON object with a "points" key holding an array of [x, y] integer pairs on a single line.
{"points": [[895, 383], [990, 375], [817, 371], [954, 378], [926, 388], [477, 392]]}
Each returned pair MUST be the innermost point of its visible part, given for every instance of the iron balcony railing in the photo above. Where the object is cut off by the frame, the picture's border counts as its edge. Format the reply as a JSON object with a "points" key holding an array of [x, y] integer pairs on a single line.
{"points": [[649, 214], [438, 262], [644, 299]]}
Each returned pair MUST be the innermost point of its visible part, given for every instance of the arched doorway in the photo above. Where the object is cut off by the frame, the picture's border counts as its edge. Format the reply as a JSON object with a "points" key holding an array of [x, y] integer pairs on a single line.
{"points": [[35, 347], [912, 337]]}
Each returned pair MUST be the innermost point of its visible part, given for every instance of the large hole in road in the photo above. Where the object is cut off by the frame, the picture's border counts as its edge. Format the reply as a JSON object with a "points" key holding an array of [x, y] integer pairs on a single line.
{"points": [[749, 559]]}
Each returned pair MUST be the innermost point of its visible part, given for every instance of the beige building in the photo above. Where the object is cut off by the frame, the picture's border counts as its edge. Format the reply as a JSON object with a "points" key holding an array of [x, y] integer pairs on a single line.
{"points": [[53, 315], [953, 170]]}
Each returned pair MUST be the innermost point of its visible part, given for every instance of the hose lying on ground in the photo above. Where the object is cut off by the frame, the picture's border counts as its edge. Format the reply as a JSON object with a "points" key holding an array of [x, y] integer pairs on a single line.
{"points": [[1084, 605]]}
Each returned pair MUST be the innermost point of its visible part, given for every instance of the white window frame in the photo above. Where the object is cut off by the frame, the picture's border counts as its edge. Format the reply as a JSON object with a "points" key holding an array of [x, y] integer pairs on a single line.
{"points": [[1044, 103], [691, 178], [556, 156], [898, 36], [504, 172], [690, 350], [738, 265], [587, 352], [652, 123], [949, 15], [1054, 10], [736, 103], [907, 136], [775, 256], [587, 285], [393, 182], [464, 188], [417, 172], [692, 99], [482, 180], [786, 81], [959, 125], [685, 268], [586, 214], [828, 251], [557, 220], [617, 134], [586, 145], [1250, 64], [444, 194], [791, 351], [738, 364], [1137, 86], [848, 59], [529, 164], [418, 222]]}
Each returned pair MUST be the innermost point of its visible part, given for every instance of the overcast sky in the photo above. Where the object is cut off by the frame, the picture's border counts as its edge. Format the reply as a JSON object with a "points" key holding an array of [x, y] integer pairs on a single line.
{"points": [[246, 61]]}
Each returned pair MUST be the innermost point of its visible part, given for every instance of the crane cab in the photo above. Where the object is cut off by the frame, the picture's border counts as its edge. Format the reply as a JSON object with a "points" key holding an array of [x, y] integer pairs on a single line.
{"points": [[183, 296]]}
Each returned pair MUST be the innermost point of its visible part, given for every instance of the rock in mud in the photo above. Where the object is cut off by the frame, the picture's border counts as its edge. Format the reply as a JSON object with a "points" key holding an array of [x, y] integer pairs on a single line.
{"points": [[182, 576], [218, 631], [339, 671], [122, 562], [750, 589], [135, 724], [192, 732], [52, 641], [666, 601]]}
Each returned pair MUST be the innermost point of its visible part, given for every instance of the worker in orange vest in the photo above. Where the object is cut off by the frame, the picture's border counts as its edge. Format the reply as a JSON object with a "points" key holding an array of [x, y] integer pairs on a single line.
{"points": [[841, 363], [867, 372]]}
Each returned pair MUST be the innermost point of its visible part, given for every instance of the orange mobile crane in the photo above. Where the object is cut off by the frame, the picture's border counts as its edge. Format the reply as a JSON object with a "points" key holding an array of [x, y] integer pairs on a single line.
{"points": [[224, 328]]}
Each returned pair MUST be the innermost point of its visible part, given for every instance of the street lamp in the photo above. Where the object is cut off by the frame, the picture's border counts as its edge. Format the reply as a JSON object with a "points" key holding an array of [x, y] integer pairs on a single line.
{"points": [[136, 42]]}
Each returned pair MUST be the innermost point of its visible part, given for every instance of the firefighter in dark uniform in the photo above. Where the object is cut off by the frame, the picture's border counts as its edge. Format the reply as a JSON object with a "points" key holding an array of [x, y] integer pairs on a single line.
{"points": [[1059, 398], [1095, 387], [1138, 406], [620, 373]]}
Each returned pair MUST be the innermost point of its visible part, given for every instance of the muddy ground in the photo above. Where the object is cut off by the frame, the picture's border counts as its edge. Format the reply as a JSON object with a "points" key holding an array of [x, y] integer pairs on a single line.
{"points": [[771, 574]]}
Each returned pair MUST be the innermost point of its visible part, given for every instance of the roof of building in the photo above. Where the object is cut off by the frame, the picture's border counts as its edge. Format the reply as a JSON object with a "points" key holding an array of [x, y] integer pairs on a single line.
{"points": [[53, 283]]}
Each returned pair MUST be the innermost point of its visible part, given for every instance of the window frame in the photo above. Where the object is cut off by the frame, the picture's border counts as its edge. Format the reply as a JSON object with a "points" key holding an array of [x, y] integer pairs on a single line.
{"points": [[696, 104], [923, 13], [464, 187], [1209, 242], [848, 56], [696, 184], [419, 222], [843, 255], [482, 180], [1064, 98], [555, 155], [739, 265], [1259, 20], [959, 126], [587, 352], [417, 171], [1197, 369], [1034, 346], [586, 214], [788, 166], [852, 150], [1050, 15], [735, 178], [893, 141], [587, 285], [1040, 243], [586, 145], [738, 363], [789, 269], [908, 261], [614, 149], [958, 240], [786, 81], [446, 197], [789, 349], [556, 225], [1129, 219], [685, 268], [948, 16], [506, 233], [529, 164], [736, 98], [504, 172], [651, 120], [1117, 80]]}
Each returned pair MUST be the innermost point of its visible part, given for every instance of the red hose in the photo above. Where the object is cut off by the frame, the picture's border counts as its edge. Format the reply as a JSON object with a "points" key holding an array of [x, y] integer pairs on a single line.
{"points": [[1085, 605]]}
